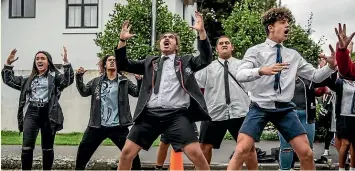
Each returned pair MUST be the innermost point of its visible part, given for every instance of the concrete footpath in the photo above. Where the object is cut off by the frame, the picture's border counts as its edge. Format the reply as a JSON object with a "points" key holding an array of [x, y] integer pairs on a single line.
{"points": [[105, 158]]}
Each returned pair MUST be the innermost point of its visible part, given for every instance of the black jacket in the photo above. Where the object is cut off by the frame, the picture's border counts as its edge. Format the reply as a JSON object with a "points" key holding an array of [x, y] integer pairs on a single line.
{"points": [[185, 66], [309, 98], [93, 88], [57, 83]]}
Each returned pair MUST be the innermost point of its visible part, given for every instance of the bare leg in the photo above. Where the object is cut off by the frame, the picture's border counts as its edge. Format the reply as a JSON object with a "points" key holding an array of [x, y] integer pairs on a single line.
{"points": [[343, 152], [207, 151], [129, 152], [301, 146], [245, 144], [194, 153], [162, 153], [252, 160]]}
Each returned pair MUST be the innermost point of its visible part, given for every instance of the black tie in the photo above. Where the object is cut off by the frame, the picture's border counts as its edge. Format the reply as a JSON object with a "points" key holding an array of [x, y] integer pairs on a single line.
{"points": [[278, 75], [226, 83], [160, 70]]}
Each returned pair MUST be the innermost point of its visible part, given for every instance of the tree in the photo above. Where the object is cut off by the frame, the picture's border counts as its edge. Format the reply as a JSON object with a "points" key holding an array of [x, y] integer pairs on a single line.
{"points": [[140, 15], [215, 12], [244, 27]]}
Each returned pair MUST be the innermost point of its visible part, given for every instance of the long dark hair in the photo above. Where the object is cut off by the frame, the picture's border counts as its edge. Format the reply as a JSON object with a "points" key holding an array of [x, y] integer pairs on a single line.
{"points": [[34, 71]]}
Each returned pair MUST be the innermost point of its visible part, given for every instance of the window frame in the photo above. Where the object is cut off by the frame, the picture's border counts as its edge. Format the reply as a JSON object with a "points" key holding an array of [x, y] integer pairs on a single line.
{"points": [[22, 10], [82, 13]]}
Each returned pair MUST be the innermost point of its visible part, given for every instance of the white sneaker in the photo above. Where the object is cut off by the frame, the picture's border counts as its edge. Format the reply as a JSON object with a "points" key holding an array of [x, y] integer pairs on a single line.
{"points": [[326, 153]]}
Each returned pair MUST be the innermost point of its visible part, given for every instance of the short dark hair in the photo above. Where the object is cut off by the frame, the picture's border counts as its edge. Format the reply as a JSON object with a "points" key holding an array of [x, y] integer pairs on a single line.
{"points": [[223, 36], [177, 39], [276, 14]]}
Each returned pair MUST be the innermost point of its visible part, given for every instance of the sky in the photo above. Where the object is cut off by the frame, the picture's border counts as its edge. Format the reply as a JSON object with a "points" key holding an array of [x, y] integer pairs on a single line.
{"points": [[326, 16]]}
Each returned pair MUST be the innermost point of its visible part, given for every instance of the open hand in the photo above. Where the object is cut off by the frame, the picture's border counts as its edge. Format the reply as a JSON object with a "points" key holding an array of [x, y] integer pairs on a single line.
{"points": [[125, 35], [344, 40], [65, 55], [273, 69], [199, 25], [11, 57], [331, 60]]}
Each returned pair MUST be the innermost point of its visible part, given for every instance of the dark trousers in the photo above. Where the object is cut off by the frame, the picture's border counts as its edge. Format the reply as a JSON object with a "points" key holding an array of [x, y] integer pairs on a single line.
{"points": [[92, 139], [327, 139], [37, 118]]}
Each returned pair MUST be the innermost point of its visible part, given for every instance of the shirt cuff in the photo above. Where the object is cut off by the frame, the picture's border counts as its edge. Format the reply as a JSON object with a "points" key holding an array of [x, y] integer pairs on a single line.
{"points": [[255, 72], [328, 69], [67, 63]]}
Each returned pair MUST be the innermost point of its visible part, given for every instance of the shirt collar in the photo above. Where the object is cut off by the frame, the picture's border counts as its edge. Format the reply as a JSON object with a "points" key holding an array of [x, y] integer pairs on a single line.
{"points": [[222, 60], [171, 56], [272, 43]]}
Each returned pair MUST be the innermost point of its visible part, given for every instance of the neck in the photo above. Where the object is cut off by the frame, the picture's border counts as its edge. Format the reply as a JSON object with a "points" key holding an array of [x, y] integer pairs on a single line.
{"points": [[273, 38], [42, 72], [225, 57], [167, 53], [111, 74]]}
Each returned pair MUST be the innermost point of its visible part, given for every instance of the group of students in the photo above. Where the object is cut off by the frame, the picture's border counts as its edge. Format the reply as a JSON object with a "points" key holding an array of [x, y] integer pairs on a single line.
{"points": [[240, 96]]}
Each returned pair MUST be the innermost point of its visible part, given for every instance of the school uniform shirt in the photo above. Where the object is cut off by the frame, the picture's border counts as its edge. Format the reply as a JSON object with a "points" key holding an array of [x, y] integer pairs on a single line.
{"points": [[170, 95], [347, 101], [262, 91], [211, 79]]}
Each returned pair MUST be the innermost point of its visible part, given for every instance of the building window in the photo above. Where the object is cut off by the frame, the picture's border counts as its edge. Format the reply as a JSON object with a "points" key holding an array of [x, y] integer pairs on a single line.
{"points": [[192, 21], [22, 8], [82, 14]]}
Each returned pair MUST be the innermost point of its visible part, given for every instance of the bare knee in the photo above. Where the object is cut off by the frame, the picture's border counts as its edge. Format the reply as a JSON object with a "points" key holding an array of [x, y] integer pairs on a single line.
{"points": [[193, 151], [245, 144], [206, 147]]}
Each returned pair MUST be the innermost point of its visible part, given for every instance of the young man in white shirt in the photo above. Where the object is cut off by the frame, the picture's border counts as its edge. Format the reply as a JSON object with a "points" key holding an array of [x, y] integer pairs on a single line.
{"points": [[226, 101], [273, 69]]}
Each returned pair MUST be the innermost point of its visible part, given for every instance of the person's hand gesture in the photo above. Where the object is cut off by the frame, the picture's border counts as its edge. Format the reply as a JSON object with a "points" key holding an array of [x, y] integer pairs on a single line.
{"points": [[344, 40], [273, 69], [331, 60], [11, 57], [65, 55], [81, 70], [199, 25], [138, 77], [125, 35]]}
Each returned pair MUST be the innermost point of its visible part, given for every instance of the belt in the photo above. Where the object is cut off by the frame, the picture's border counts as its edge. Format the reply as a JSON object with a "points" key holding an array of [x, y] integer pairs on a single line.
{"points": [[38, 104]]}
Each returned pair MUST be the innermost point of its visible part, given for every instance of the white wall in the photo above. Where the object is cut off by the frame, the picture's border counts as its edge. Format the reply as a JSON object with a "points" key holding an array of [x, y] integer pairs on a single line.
{"points": [[47, 32]]}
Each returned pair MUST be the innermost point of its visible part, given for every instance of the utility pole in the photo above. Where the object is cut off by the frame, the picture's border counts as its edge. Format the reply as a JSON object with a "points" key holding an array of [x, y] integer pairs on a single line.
{"points": [[154, 18]]}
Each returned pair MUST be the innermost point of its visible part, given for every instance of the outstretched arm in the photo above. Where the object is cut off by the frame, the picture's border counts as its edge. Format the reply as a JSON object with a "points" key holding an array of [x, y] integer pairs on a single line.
{"points": [[8, 75], [125, 64], [205, 58]]}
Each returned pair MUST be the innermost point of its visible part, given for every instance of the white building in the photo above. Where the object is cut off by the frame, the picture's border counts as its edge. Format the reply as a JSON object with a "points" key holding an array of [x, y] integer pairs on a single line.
{"points": [[33, 25]]}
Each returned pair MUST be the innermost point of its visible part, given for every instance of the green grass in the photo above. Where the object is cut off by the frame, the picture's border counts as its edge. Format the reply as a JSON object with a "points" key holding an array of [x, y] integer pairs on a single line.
{"points": [[13, 138]]}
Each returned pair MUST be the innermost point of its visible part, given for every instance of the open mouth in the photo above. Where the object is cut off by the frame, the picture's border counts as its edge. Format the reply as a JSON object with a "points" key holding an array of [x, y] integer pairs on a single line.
{"points": [[224, 48], [40, 64], [286, 31], [166, 43]]}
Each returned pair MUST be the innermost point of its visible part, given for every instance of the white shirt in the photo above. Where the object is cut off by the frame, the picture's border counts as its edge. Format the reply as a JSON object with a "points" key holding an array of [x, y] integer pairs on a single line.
{"points": [[262, 92], [171, 95], [347, 99], [212, 79]]}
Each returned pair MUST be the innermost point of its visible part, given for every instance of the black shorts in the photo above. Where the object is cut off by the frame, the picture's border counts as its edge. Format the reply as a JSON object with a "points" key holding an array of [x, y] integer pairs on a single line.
{"points": [[212, 132], [177, 127], [344, 127]]}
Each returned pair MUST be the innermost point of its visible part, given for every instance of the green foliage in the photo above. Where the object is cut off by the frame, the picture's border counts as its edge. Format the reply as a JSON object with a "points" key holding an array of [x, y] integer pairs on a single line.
{"points": [[140, 15], [245, 29], [353, 56]]}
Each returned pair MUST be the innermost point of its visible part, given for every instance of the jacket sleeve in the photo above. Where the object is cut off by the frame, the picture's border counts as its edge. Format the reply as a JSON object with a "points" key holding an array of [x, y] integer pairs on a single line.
{"points": [[330, 82], [84, 90], [133, 89], [125, 64], [9, 78], [205, 58], [66, 79], [345, 66]]}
